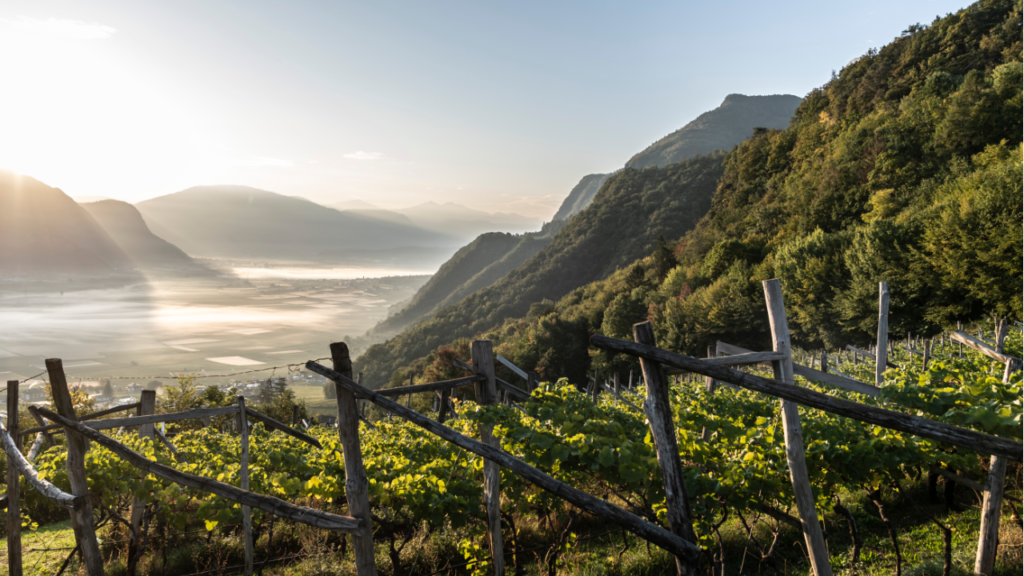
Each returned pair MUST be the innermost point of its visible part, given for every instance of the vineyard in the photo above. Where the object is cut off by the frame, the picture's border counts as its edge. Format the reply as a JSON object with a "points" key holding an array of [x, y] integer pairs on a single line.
{"points": [[694, 469]]}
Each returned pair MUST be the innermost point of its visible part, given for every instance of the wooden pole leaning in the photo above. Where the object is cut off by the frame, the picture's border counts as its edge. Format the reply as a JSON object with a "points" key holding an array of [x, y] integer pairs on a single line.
{"points": [[13, 486], [357, 487], [991, 505], [486, 394], [42, 424], [783, 369], [243, 432], [881, 355], [81, 514], [147, 406], [659, 414]]}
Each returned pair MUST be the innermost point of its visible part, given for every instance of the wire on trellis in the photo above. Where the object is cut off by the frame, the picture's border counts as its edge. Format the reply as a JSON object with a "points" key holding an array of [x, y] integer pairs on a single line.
{"points": [[290, 367]]}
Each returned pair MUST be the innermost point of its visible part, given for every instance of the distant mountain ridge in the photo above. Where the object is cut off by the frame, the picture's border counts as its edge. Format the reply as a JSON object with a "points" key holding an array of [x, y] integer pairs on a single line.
{"points": [[126, 227], [452, 218], [719, 129], [621, 225], [244, 222], [43, 230]]}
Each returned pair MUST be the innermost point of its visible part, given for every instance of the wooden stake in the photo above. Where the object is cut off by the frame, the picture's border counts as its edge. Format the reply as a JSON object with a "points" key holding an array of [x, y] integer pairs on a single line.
{"points": [[991, 506], [42, 424], [13, 487], [147, 406], [794, 436], [663, 431], [243, 429], [487, 393], [709, 385], [881, 355], [824, 361], [81, 515], [927, 355], [357, 487]]}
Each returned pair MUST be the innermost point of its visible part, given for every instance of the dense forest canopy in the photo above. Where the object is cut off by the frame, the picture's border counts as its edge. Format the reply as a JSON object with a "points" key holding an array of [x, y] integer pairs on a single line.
{"points": [[905, 168]]}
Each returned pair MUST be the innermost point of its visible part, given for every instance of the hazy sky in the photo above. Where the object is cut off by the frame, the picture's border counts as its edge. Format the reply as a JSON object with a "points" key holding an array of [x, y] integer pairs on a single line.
{"points": [[496, 105]]}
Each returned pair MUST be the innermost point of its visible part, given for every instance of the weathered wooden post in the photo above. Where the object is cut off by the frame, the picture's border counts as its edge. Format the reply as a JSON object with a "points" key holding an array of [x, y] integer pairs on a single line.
{"points": [[147, 406], [13, 487], [783, 369], [927, 355], [615, 387], [243, 433], [487, 393], [1001, 329], [824, 360], [81, 515], [991, 506], [357, 487], [442, 411], [41, 422], [659, 415], [709, 385], [881, 356]]}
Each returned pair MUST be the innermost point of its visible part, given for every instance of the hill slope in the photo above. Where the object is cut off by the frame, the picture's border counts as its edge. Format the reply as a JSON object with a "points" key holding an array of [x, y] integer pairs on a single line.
{"points": [[126, 227], [243, 222], [906, 168], [632, 209], [43, 230], [719, 129], [581, 196]]}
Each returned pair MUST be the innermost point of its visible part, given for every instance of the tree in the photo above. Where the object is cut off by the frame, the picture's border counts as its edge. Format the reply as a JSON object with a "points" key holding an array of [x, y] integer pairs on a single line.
{"points": [[330, 391], [664, 259], [106, 389]]}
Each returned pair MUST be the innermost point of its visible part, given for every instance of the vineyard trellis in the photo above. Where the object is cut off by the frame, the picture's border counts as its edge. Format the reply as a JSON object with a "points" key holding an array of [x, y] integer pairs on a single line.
{"points": [[679, 539]]}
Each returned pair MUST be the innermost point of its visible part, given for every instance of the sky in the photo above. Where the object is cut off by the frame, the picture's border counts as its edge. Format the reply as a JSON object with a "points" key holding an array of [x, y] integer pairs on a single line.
{"points": [[500, 106]]}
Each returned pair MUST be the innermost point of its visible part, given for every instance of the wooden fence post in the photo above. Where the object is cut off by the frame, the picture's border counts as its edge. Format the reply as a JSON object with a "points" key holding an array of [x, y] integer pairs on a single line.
{"points": [[991, 506], [1001, 329], [487, 393], [147, 406], [615, 386], [927, 355], [243, 432], [783, 369], [663, 431], [709, 385], [81, 515], [881, 356], [39, 420], [357, 487], [13, 494]]}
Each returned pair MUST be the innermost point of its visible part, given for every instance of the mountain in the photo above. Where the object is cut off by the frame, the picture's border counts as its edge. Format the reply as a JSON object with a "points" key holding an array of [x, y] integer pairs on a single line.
{"points": [[719, 129], [43, 230], [629, 213], [125, 225], [581, 196], [354, 204], [452, 218], [904, 168], [244, 222]]}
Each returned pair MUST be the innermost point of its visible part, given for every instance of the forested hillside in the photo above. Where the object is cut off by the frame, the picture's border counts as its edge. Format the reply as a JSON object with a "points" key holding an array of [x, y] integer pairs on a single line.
{"points": [[460, 268], [628, 215], [905, 167]]}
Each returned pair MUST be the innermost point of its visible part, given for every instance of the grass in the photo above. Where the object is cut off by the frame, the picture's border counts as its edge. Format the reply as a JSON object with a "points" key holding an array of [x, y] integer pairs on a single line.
{"points": [[35, 561]]}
